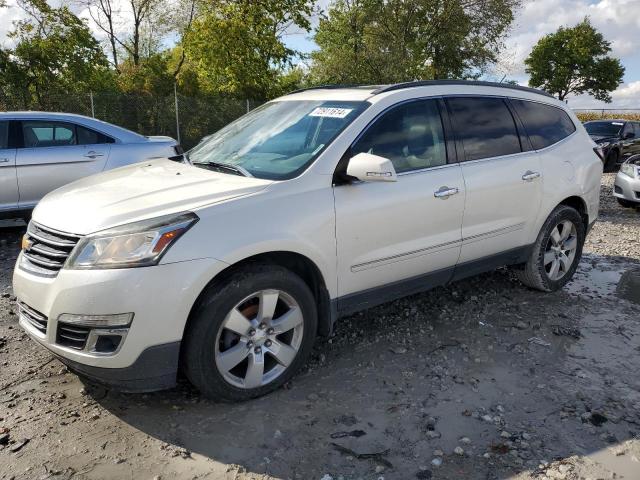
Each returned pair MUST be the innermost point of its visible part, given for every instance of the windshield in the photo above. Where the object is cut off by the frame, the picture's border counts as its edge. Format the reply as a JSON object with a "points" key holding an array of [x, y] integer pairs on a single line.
{"points": [[604, 129], [276, 141]]}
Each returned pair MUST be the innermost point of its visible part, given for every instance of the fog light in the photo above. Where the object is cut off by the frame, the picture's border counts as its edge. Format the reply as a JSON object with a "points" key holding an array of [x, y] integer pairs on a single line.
{"points": [[98, 321]]}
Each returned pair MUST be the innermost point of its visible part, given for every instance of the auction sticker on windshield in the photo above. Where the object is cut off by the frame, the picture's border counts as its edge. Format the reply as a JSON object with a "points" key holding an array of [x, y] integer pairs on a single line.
{"points": [[331, 112]]}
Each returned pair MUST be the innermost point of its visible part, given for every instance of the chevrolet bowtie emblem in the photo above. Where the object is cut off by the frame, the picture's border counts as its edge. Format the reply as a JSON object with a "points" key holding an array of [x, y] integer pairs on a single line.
{"points": [[27, 243]]}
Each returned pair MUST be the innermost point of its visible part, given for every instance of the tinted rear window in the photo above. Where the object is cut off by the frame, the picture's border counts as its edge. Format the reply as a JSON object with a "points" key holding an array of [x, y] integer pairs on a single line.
{"points": [[485, 127], [544, 124]]}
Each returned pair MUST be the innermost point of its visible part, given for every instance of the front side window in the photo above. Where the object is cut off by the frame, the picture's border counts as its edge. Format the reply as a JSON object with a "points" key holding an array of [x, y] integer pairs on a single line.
{"points": [[410, 135], [485, 127], [604, 128], [276, 141], [545, 124], [628, 129]]}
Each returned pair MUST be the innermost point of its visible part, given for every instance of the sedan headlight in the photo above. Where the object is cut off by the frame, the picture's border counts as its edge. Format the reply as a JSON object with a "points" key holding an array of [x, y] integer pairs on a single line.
{"points": [[138, 244], [628, 169]]}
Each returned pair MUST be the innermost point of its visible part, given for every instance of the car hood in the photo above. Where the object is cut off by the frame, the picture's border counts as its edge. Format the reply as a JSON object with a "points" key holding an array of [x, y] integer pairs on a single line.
{"points": [[137, 192]]}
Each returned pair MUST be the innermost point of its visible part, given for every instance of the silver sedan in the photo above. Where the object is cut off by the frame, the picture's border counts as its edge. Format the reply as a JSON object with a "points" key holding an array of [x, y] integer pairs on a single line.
{"points": [[40, 152], [627, 184]]}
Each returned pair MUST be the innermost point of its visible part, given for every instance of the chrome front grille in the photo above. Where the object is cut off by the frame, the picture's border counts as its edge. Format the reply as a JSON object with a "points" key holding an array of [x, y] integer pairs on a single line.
{"points": [[45, 250], [33, 317]]}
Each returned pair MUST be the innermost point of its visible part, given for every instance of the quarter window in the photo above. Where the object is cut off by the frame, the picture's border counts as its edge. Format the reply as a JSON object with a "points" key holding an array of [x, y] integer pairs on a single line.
{"points": [[485, 127], [545, 124], [91, 137], [410, 135]]}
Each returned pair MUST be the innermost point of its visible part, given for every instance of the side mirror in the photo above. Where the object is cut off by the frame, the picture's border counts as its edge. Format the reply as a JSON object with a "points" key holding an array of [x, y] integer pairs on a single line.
{"points": [[371, 168], [628, 135]]}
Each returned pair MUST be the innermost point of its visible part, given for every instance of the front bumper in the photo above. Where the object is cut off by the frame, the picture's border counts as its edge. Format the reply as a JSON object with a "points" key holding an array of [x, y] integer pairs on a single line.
{"points": [[627, 188], [161, 298]]}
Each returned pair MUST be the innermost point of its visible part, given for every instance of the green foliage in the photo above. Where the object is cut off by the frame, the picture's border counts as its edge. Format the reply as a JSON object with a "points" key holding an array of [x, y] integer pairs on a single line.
{"points": [[574, 60], [236, 46], [383, 41], [54, 52]]}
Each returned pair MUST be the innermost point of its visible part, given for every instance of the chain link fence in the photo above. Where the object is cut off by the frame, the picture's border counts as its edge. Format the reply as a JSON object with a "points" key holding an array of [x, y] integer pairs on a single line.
{"points": [[194, 117]]}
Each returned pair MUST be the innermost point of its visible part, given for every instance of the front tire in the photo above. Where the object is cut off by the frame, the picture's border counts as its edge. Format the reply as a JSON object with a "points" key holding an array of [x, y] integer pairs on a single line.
{"points": [[250, 333], [556, 252]]}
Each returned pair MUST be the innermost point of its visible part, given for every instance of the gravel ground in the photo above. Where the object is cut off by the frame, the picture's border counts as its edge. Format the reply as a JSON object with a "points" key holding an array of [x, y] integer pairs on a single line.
{"points": [[484, 379]]}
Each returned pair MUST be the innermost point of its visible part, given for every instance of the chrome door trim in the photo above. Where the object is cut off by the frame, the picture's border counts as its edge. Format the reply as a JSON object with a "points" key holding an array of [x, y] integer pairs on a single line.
{"points": [[435, 248]]}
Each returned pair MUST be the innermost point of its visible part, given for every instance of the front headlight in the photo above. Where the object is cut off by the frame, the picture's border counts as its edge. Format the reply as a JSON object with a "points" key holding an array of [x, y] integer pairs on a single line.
{"points": [[138, 244], [628, 169]]}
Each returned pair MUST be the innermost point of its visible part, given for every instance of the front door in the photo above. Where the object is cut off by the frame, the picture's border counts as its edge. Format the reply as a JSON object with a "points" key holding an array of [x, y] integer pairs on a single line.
{"points": [[54, 154], [402, 235], [8, 180], [503, 182]]}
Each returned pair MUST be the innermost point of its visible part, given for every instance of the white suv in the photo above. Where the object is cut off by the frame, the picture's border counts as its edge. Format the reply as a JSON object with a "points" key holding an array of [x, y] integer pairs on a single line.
{"points": [[315, 205]]}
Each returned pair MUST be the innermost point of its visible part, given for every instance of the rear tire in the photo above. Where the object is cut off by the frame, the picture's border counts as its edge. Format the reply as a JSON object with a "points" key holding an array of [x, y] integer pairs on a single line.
{"points": [[627, 203], [250, 333], [556, 252]]}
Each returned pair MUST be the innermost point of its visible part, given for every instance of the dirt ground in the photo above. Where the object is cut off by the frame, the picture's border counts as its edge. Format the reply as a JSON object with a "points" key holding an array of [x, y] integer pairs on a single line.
{"points": [[484, 379]]}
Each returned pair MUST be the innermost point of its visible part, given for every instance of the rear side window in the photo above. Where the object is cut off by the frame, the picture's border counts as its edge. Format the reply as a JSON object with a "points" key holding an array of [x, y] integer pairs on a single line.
{"points": [[47, 134], [485, 127], [4, 135], [544, 124], [87, 136]]}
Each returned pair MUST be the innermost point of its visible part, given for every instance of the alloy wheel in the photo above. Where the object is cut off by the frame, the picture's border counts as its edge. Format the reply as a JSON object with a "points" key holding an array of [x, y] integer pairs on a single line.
{"points": [[560, 252], [259, 338]]}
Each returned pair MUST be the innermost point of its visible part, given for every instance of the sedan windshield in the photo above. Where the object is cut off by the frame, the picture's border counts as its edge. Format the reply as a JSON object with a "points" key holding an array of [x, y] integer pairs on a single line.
{"points": [[604, 129], [277, 141]]}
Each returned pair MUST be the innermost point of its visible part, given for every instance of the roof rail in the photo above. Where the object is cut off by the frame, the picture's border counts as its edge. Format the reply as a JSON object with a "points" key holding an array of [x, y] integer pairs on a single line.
{"points": [[427, 83], [336, 86]]}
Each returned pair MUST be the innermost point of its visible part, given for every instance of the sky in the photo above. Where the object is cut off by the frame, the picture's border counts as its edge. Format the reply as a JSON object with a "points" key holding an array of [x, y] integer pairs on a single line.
{"points": [[618, 20]]}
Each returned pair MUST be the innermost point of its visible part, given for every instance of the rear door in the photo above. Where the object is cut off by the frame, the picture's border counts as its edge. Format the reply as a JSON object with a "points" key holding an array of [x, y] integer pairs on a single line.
{"points": [[8, 180], [502, 176], [55, 153]]}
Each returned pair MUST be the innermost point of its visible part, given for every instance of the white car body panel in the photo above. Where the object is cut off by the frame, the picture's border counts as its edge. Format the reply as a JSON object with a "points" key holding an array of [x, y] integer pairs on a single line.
{"points": [[360, 236]]}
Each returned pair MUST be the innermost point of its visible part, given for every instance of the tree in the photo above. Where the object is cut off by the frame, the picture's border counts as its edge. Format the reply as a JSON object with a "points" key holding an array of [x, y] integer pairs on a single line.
{"points": [[54, 53], [236, 46], [574, 61], [381, 41], [133, 27]]}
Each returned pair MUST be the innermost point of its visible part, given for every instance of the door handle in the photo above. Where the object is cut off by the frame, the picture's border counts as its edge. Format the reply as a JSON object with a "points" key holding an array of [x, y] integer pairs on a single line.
{"points": [[445, 192], [4, 160], [93, 154], [529, 175]]}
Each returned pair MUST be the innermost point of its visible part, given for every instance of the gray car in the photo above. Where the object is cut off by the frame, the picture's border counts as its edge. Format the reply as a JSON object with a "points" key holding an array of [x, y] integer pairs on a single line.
{"points": [[627, 184], [40, 152]]}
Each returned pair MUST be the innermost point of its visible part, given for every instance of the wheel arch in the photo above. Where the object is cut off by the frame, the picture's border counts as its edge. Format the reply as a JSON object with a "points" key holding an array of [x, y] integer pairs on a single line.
{"points": [[299, 264], [578, 204]]}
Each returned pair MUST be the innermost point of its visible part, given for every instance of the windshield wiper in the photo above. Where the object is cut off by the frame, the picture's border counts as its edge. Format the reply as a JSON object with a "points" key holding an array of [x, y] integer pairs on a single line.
{"points": [[225, 168]]}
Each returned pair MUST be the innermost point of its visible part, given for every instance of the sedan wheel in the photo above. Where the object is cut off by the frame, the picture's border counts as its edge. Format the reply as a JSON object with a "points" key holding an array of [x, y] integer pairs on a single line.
{"points": [[260, 337]]}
